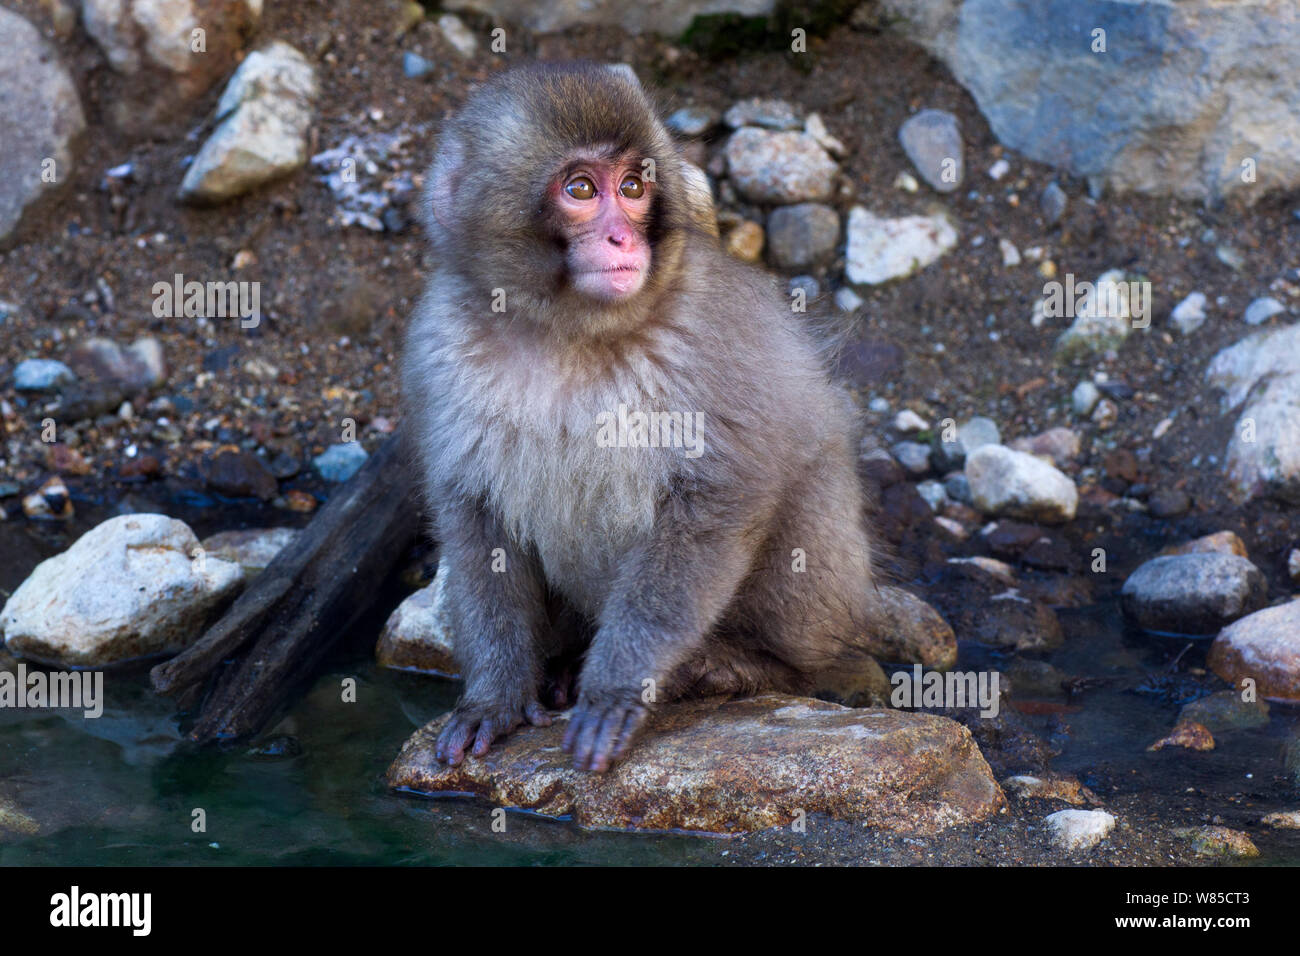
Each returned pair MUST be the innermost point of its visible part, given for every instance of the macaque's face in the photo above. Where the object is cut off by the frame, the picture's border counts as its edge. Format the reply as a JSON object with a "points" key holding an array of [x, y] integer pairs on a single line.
{"points": [[603, 206]]}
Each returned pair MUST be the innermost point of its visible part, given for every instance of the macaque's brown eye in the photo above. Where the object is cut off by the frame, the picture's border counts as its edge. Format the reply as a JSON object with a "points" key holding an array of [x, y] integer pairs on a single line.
{"points": [[632, 187], [581, 188]]}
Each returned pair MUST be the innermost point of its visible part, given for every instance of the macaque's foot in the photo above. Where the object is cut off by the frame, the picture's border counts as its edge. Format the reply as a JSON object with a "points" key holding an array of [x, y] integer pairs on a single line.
{"points": [[478, 724], [600, 730]]}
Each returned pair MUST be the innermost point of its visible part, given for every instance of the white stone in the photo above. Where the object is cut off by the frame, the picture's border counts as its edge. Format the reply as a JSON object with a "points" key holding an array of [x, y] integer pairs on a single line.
{"points": [[129, 588], [265, 114], [1019, 485], [882, 249], [1079, 829]]}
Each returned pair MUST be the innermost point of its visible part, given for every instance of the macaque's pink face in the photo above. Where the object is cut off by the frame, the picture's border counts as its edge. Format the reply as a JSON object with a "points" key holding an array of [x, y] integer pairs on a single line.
{"points": [[604, 206]]}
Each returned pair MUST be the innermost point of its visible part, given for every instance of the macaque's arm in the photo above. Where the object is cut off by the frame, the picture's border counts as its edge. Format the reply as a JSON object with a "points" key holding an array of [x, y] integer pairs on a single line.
{"points": [[669, 594], [495, 596]]}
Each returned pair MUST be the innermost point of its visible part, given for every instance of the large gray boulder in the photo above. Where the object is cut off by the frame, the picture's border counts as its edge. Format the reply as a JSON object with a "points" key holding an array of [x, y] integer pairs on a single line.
{"points": [[1184, 93], [40, 119]]}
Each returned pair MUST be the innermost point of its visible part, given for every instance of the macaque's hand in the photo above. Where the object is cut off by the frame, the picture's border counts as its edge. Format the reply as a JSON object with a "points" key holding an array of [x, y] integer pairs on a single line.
{"points": [[602, 726], [481, 723]]}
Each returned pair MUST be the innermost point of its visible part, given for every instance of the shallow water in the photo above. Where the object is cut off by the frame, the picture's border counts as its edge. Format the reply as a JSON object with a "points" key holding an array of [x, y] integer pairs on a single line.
{"points": [[123, 788]]}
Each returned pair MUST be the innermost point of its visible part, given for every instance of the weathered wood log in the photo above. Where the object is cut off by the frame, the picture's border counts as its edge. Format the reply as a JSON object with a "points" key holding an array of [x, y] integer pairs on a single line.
{"points": [[270, 640]]}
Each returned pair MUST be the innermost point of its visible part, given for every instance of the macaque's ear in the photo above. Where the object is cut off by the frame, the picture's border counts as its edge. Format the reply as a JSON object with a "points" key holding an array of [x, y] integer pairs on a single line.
{"points": [[444, 182], [625, 70]]}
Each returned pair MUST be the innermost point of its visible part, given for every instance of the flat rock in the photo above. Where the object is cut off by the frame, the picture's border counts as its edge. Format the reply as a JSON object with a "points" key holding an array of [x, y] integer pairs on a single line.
{"points": [[252, 549], [1193, 593], [1217, 841], [128, 588], [732, 766], [1265, 647]]}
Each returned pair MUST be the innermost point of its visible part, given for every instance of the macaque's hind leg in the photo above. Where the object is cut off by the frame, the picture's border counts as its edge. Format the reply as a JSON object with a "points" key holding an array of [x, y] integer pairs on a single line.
{"points": [[811, 601]]}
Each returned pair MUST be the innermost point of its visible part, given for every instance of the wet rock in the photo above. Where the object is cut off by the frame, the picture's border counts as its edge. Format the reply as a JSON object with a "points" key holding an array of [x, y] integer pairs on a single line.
{"points": [[879, 249], [1221, 542], [952, 447], [49, 502], [40, 119], [1283, 820], [1225, 710], [785, 167], [1192, 593], [1032, 678], [1050, 787], [41, 375], [153, 42], [251, 549], [1189, 315], [768, 113], [240, 474], [129, 588], [1186, 734], [957, 487], [1262, 309], [417, 636], [1217, 841], [802, 235], [15, 821], [264, 115], [340, 462], [1264, 648], [1293, 565], [1061, 445], [917, 633], [986, 609], [1079, 829], [1012, 483], [731, 766], [932, 141]]}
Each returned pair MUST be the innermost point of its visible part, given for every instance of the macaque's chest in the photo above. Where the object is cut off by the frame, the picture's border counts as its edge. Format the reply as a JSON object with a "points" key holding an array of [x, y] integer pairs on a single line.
{"points": [[566, 459]]}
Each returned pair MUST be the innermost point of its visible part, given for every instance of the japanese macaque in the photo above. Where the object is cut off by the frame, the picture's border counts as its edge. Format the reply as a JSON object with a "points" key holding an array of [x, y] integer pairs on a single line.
{"points": [[636, 457]]}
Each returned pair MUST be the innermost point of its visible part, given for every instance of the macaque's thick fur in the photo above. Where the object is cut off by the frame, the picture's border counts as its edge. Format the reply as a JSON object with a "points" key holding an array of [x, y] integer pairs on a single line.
{"points": [[742, 566]]}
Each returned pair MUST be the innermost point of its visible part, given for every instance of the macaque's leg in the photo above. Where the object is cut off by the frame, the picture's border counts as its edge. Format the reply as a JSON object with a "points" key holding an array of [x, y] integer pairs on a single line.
{"points": [[668, 595], [498, 614]]}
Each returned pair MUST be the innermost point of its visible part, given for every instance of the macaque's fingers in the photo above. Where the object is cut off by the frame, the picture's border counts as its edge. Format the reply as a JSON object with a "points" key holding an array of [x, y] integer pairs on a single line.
{"points": [[585, 741], [631, 724], [453, 740], [611, 725]]}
